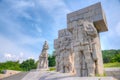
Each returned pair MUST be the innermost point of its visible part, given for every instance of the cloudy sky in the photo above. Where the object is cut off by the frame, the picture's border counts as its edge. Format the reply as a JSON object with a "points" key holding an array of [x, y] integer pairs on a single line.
{"points": [[26, 24]]}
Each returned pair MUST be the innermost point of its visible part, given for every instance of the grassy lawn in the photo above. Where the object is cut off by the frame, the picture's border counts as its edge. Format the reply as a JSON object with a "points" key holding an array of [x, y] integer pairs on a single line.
{"points": [[109, 65], [52, 69]]}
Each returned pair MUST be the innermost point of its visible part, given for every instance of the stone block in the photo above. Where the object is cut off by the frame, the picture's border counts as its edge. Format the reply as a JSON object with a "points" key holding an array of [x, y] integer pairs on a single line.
{"points": [[79, 49], [93, 13], [63, 33]]}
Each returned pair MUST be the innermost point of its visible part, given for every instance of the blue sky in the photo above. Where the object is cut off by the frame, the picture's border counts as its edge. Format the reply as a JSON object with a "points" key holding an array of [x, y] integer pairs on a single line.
{"points": [[26, 24]]}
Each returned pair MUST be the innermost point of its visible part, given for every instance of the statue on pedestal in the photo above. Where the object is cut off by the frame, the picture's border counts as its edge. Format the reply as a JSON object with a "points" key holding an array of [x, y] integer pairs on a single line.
{"points": [[43, 58]]}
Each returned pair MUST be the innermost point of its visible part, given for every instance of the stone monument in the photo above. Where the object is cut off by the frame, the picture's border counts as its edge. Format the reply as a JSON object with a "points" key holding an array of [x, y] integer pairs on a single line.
{"points": [[83, 42], [79, 44], [43, 58], [64, 55]]}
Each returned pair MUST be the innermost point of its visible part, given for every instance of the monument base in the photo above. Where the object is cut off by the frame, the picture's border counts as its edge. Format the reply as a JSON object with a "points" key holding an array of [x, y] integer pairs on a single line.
{"points": [[42, 69], [52, 75], [114, 72]]}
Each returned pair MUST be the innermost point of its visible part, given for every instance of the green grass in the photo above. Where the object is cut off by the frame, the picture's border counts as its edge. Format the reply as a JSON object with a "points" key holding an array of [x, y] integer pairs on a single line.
{"points": [[52, 69], [98, 75], [109, 65]]}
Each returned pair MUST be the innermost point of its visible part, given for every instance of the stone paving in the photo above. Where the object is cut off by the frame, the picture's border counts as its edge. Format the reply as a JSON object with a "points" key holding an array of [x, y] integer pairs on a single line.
{"points": [[114, 72], [52, 75], [18, 76]]}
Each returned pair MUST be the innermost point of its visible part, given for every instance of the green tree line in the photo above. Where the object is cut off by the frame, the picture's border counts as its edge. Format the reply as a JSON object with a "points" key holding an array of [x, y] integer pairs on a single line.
{"points": [[16, 65], [109, 56], [26, 65]]}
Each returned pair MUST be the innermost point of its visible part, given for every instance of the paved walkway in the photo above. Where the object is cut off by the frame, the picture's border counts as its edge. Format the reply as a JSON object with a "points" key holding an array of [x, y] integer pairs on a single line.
{"points": [[45, 75], [51, 75], [18, 76]]}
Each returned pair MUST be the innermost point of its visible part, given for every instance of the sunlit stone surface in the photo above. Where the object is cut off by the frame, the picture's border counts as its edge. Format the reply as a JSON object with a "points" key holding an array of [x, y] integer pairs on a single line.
{"points": [[77, 47]]}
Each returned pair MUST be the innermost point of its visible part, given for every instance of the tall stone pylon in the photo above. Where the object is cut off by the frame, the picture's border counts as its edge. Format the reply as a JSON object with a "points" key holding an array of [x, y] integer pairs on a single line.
{"points": [[89, 17], [43, 58], [84, 27]]}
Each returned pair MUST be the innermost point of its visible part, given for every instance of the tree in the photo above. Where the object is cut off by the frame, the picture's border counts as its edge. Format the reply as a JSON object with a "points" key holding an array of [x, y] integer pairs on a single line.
{"points": [[11, 65], [111, 56], [51, 60], [116, 58], [28, 65]]}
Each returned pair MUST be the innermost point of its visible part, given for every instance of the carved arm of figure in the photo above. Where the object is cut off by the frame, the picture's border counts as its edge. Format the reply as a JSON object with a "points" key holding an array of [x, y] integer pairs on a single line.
{"points": [[95, 57], [91, 35]]}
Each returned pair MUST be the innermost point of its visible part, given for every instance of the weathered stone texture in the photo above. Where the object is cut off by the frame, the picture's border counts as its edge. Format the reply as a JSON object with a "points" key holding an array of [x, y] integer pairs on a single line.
{"points": [[85, 59], [79, 44], [64, 55], [43, 58], [93, 13]]}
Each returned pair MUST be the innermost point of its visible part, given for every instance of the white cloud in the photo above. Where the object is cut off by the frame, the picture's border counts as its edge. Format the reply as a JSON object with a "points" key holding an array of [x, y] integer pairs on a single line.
{"points": [[12, 50], [16, 57], [31, 57], [21, 54], [8, 55]]}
